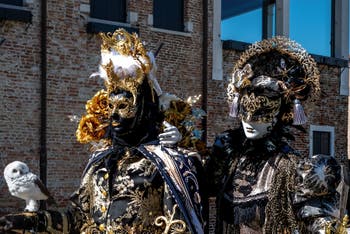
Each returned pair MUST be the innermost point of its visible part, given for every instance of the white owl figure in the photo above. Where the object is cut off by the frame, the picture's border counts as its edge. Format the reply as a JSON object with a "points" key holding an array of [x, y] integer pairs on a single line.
{"points": [[25, 185]]}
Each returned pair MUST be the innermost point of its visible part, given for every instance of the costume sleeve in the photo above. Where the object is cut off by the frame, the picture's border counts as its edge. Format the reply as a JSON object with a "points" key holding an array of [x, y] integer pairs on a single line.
{"points": [[221, 157], [58, 222], [316, 197], [70, 221], [48, 221]]}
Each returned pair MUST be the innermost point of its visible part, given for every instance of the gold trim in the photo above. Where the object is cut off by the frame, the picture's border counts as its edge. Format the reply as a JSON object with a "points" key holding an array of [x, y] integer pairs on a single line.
{"points": [[65, 226], [252, 104], [171, 225]]}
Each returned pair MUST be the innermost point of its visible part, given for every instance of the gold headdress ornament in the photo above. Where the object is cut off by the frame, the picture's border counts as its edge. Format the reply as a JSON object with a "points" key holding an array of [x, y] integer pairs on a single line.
{"points": [[278, 69], [125, 64]]}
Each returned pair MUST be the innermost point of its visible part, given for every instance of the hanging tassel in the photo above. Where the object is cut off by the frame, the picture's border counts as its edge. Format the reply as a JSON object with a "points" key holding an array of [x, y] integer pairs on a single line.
{"points": [[234, 106], [299, 114]]}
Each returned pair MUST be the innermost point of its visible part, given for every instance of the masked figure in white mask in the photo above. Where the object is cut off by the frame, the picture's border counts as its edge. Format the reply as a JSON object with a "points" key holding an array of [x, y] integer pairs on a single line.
{"points": [[261, 184]]}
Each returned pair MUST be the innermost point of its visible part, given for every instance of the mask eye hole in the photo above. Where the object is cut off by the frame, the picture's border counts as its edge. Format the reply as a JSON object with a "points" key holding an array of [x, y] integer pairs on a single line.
{"points": [[14, 170], [122, 106]]}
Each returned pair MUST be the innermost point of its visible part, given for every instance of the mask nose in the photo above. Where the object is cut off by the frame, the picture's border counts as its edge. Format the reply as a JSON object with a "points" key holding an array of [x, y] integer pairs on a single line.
{"points": [[122, 106]]}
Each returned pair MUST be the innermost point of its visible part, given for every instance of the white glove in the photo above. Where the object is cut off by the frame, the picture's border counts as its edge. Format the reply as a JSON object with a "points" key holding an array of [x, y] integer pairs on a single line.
{"points": [[170, 136]]}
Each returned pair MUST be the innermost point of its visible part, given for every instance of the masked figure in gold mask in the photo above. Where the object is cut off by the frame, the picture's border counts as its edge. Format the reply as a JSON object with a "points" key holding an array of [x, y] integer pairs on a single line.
{"points": [[132, 183], [264, 185]]}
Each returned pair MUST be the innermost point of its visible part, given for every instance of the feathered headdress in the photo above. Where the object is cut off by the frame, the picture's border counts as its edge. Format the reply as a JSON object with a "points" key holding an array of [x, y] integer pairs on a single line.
{"points": [[125, 64]]}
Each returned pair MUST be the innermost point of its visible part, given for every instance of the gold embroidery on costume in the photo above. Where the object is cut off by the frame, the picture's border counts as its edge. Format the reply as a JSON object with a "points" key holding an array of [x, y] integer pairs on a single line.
{"points": [[171, 169], [150, 207], [337, 226], [146, 207], [123, 184], [171, 225], [146, 167]]}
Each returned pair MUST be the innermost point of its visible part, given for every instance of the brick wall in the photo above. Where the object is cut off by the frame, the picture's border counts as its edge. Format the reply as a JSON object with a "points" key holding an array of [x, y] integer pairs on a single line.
{"points": [[20, 98], [72, 55]]}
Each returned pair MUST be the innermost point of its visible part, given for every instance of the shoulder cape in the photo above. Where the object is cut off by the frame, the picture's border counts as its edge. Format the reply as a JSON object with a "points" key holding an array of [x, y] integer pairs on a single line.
{"points": [[178, 172]]}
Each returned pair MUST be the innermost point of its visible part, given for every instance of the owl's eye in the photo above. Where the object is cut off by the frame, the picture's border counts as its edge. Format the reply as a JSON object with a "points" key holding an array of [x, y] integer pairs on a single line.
{"points": [[14, 170]]}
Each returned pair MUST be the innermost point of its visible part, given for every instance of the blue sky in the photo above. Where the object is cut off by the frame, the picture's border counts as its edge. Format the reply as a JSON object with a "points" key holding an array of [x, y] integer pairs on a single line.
{"points": [[310, 28]]}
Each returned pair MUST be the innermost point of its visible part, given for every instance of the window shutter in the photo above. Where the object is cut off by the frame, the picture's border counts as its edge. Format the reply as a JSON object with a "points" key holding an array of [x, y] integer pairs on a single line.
{"points": [[12, 2], [168, 14], [113, 10]]}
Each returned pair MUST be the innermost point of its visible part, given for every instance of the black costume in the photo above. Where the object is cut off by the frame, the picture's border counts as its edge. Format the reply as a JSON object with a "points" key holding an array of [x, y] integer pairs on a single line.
{"points": [[261, 184], [129, 190], [132, 184], [265, 183]]}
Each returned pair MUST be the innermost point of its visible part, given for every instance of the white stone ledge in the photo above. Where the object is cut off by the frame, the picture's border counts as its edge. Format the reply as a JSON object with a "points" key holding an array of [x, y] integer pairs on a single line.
{"points": [[178, 33]]}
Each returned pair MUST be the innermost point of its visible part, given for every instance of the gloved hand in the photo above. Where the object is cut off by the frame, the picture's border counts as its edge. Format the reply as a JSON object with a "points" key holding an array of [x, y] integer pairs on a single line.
{"points": [[170, 136]]}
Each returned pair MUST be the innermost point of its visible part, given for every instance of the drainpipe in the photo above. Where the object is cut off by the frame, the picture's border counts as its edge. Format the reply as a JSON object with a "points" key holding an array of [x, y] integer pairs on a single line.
{"points": [[43, 120], [205, 67]]}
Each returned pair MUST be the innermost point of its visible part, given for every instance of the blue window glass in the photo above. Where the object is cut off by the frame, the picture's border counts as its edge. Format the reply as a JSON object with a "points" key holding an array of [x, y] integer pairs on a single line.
{"points": [[310, 25], [243, 20]]}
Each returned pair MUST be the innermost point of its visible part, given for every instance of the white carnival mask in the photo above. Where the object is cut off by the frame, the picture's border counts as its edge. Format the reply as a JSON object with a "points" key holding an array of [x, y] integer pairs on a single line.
{"points": [[256, 130]]}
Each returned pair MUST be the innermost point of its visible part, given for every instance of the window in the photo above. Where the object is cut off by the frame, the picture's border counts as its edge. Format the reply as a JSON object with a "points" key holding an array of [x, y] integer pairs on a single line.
{"points": [[107, 16], [12, 2], [321, 27], [168, 14], [247, 21], [321, 140], [14, 10], [112, 10], [311, 25]]}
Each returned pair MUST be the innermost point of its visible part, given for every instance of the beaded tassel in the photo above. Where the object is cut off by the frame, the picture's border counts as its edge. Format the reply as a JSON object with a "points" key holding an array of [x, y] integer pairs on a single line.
{"points": [[234, 106], [299, 114]]}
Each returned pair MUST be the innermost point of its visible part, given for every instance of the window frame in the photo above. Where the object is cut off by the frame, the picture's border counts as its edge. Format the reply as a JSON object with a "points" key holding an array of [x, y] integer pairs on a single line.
{"points": [[321, 128]]}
